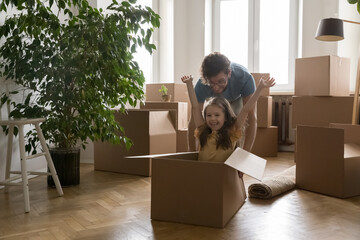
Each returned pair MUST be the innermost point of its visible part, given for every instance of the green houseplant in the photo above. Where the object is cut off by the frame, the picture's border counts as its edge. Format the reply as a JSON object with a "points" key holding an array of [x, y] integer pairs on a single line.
{"points": [[74, 70], [164, 93]]}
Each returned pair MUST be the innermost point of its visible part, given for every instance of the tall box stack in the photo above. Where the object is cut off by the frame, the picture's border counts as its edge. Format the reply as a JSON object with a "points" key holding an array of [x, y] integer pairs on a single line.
{"points": [[179, 101], [323, 156], [266, 141], [151, 131]]}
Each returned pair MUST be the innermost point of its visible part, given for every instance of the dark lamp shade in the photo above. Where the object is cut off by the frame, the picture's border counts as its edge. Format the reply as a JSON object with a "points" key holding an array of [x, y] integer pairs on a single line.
{"points": [[330, 29]]}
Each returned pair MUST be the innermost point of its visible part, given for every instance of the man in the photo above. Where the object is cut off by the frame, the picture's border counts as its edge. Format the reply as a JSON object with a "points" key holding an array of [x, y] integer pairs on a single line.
{"points": [[230, 80]]}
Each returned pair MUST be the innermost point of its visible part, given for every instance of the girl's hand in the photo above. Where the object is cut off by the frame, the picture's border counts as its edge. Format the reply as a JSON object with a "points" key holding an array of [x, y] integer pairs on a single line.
{"points": [[186, 79], [266, 83]]}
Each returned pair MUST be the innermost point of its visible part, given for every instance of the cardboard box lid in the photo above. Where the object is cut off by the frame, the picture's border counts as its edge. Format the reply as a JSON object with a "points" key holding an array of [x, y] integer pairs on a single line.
{"points": [[241, 160], [248, 163]]}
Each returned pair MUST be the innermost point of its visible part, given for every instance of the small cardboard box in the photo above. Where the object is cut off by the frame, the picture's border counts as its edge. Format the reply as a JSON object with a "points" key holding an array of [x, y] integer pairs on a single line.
{"points": [[257, 77], [181, 140], [188, 191], [152, 132], [266, 142], [264, 111], [328, 159], [321, 111], [178, 92], [322, 76], [180, 116]]}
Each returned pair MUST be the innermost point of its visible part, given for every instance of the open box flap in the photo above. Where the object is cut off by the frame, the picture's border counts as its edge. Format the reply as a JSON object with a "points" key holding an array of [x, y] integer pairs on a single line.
{"points": [[247, 163], [351, 150], [159, 155]]}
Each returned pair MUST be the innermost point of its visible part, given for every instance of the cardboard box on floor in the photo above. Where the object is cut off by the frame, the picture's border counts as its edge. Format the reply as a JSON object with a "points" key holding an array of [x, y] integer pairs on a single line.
{"points": [[151, 131], [322, 76], [257, 77], [321, 111], [328, 159], [188, 191], [180, 115], [266, 142], [264, 111]]}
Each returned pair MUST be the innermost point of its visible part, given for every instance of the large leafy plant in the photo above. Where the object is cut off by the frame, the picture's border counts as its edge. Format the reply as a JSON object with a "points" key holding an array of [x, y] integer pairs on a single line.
{"points": [[74, 71]]}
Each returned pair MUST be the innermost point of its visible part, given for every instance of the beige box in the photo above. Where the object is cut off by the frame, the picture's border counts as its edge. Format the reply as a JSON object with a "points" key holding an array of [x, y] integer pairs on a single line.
{"points": [[181, 140], [180, 116], [322, 76], [257, 77], [152, 132], [266, 142], [187, 191], [328, 159], [264, 111], [320, 111], [178, 92]]}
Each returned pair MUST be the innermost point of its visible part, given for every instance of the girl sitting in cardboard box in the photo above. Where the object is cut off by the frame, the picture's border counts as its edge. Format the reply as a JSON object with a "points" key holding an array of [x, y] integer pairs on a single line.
{"points": [[218, 129]]}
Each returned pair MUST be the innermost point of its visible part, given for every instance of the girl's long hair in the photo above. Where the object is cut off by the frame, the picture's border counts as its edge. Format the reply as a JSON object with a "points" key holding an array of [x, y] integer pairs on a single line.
{"points": [[223, 139]]}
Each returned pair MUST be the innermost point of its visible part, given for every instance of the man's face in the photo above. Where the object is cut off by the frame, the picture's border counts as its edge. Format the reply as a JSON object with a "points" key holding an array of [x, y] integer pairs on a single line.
{"points": [[219, 82]]}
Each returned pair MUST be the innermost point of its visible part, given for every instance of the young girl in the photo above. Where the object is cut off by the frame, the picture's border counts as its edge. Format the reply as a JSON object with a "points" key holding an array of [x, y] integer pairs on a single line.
{"points": [[218, 129]]}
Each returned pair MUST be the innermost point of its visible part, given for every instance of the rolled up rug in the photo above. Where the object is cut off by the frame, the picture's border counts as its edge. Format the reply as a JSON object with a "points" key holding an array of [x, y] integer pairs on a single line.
{"points": [[273, 186]]}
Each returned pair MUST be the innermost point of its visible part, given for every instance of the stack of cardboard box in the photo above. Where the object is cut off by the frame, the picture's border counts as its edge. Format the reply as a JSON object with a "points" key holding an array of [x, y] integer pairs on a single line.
{"points": [[322, 91], [180, 102], [327, 151], [266, 141]]}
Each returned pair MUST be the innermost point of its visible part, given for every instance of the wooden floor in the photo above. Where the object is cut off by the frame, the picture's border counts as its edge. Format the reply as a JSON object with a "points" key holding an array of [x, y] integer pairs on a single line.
{"points": [[116, 206]]}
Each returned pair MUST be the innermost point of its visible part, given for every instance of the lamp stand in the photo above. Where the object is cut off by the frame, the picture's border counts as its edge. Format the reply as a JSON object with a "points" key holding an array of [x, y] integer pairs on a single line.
{"points": [[355, 115]]}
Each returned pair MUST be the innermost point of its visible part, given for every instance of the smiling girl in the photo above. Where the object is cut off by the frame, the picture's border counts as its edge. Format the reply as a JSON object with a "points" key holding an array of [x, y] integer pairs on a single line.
{"points": [[218, 129]]}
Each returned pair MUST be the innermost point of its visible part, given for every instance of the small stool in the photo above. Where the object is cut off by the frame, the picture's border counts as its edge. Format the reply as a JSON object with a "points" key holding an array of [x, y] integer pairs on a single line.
{"points": [[23, 174]]}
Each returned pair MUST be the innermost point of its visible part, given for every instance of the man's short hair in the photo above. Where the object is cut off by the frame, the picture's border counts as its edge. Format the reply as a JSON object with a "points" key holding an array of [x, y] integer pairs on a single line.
{"points": [[212, 65]]}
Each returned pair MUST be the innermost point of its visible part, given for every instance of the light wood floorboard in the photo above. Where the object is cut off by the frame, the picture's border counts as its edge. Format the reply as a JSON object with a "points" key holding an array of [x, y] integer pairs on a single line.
{"points": [[117, 206]]}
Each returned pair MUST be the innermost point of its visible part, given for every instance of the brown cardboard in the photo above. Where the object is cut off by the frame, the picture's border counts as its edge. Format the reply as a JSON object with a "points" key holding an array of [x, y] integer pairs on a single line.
{"points": [[203, 193], [322, 76], [266, 142], [325, 163], [178, 92], [181, 114], [181, 140], [321, 111], [264, 111], [151, 131], [257, 77]]}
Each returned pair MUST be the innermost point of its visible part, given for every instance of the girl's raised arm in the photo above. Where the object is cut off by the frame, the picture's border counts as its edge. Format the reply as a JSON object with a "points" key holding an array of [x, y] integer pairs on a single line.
{"points": [[196, 111], [264, 83]]}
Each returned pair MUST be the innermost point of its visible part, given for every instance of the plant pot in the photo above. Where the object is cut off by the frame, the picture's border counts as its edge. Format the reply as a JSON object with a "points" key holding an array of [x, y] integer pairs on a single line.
{"points": [[67, 165], [166, 98]]}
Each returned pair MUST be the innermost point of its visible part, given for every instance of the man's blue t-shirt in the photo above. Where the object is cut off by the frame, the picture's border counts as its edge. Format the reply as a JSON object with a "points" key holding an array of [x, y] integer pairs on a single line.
{"points": [[240, 84]]}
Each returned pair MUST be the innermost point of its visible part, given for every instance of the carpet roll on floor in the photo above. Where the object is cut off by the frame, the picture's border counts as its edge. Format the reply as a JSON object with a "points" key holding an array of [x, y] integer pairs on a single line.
{"points": [[273, 186]]}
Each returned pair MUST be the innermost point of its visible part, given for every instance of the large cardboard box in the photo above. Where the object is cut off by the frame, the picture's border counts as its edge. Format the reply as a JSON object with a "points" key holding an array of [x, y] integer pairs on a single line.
{"points": [[180, 116], [322, 76], [151, 131], [264, 111], [328, 159], [321, 111], [266, 142], [188, 191], [257, 77]]}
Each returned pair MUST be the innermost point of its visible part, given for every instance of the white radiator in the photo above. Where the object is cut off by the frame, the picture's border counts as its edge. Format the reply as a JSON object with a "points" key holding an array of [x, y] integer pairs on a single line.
{"points": [[282, 111]]}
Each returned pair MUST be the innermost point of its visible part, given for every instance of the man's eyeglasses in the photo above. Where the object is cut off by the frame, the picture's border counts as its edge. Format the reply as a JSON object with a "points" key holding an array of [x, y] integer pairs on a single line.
{"points": [[219, 83]]}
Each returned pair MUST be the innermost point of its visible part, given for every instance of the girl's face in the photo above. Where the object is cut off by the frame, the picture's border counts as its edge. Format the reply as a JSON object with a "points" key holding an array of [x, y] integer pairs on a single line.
{"points": [[215, 117]]}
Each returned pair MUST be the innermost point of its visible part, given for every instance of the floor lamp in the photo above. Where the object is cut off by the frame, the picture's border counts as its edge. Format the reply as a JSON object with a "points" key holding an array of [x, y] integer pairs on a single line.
{"points": [[331, 29]]}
